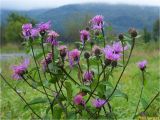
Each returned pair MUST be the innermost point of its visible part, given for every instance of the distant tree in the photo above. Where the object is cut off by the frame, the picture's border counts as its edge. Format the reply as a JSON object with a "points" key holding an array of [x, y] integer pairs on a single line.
{"points": [[156, 31], [146, 35], [2, 37], [14, 26], [73, 26]]}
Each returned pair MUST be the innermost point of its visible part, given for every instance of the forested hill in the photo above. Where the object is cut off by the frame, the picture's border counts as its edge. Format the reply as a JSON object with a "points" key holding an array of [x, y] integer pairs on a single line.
{"points": [[120, 16]]}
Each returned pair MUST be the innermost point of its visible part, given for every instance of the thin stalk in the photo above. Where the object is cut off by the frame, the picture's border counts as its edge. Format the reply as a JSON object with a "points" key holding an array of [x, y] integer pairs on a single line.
{"points": [[69, 76], [40, 78], [140, 93], [122, 71], [151, 101], [96, 85], [20, 96], [34, 87], [148, 104]]}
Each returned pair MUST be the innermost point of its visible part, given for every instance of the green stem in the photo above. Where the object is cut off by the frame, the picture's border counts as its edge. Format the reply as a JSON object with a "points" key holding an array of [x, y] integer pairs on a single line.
{"points": [[19, 96], [140, 93], [40, 78], [122, 71]]}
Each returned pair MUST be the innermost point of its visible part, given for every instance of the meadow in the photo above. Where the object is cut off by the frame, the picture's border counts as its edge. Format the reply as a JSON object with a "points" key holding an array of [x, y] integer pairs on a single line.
{"points": [[12, 106]]}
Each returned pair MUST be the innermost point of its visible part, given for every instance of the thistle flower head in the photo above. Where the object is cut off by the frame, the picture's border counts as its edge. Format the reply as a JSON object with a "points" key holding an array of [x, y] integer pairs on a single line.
{"points": [[46, 61], [98, 103], [142, 64], [110, 54], [88, 76], [117, 47], [52, 35], [78, 100], [84, 35], [27, 27], [43, 27], [19, 70], [97, 20], [63, 50], [96, 50], [74, 57]]}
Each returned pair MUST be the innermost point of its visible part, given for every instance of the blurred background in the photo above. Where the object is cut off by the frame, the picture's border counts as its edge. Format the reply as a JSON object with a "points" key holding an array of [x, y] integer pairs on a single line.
{"points": [[68, 17]]}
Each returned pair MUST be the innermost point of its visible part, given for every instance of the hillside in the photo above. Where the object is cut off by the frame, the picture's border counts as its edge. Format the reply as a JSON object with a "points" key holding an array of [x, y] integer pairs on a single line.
{"points": [[120, 16]]}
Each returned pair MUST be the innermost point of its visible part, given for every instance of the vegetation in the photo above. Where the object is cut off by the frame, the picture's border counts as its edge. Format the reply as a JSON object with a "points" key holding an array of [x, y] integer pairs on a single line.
{"points": [[87, 82]]}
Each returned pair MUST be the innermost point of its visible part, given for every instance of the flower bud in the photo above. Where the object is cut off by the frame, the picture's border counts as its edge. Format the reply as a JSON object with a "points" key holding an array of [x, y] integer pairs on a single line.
{"points": [[86, 55], [87, 28], [133, 32], [114, 63], [107, 62], [121, 36]]}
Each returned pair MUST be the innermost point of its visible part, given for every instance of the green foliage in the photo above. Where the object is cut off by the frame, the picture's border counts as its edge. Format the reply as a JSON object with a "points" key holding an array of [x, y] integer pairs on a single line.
{"points": [[146, 36], [156, 30], [12, 32]]}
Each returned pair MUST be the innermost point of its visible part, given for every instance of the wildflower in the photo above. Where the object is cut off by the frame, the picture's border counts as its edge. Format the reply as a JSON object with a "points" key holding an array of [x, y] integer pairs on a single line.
{"points": [[88, 76], [117, 47], [121, 36], [34, 33], [97, 20], [133, 32], [63, 51], [86, 55], [46, 61], [78, 100], [98, 103], [97, 29], [52, 35], [96, 50], [84, 35], [74, 56], [142, 64], [110, 54], [20, 70], [43, 27], [26, 28]]}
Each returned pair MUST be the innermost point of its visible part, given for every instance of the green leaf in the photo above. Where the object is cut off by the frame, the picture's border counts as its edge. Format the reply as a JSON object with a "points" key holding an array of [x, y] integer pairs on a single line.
{"points": [[118, 93], [101, 90], [57, 113], [38, 100], [85, 88], [144, 103], [68, 86]]}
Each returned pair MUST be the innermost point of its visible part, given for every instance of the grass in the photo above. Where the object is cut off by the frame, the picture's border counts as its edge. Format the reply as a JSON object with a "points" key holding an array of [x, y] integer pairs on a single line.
{"points": [[12, 106]]}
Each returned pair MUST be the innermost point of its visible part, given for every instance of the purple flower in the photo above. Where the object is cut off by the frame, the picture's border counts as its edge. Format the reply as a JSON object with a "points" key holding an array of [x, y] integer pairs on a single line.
{"points": [[26, 30], [78, 100], [19, 70], [52, 35], [88, 76], [84, 35], [98, 103], [63, 51], [34, 33], [43, 27], [110, 54], [46, 61], [96, 50], [142, 64], [73, 57], [97, 20], [117, 47]]}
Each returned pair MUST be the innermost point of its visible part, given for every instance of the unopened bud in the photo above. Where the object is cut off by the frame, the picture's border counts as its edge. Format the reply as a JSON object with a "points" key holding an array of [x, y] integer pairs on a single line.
{"points": [[86, 55], [121, 36]]}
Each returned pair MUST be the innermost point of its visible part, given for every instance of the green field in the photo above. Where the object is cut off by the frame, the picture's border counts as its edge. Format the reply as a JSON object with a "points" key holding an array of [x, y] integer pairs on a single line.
{"points": [[12, 107]]}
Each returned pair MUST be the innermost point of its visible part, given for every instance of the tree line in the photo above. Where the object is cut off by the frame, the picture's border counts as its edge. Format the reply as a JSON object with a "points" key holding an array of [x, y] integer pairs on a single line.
{"points": [[10, 32]]}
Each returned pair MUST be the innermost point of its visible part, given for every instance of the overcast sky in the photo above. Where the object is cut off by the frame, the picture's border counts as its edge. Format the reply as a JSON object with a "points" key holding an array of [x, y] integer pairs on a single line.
{"points": [[34, 4]]}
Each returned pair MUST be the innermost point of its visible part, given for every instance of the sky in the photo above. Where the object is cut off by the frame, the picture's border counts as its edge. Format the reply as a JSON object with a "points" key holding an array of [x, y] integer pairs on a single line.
{"points": [[35, 4]]}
